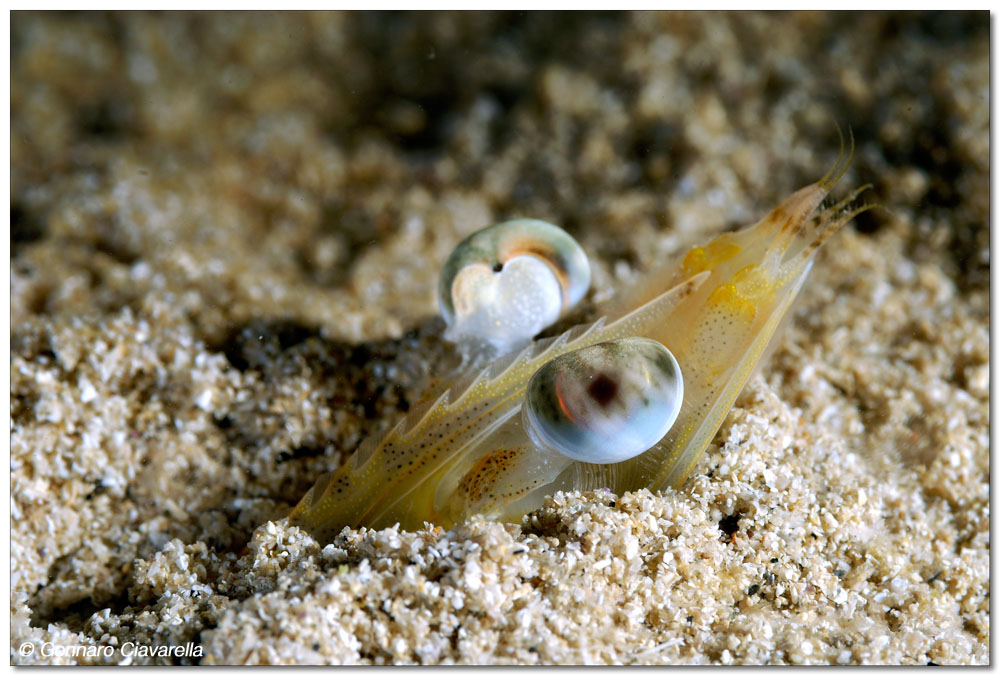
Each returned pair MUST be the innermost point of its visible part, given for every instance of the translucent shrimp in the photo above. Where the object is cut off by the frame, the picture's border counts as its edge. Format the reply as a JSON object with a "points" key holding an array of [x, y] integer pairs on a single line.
{"points": [[477, 449]]}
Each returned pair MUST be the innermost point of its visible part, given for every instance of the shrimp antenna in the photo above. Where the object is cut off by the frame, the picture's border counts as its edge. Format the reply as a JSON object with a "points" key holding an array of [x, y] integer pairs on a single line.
{"points": [[839, 167], [833, 225]]}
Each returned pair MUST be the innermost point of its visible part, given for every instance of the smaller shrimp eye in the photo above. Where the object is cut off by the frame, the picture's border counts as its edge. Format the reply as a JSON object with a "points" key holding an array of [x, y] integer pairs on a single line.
{"points": [[504, 284], [605, 403]]}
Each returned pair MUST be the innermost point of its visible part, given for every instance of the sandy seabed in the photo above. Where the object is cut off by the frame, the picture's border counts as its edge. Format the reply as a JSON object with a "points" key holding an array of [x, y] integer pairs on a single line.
{"points": [[225, 236]]}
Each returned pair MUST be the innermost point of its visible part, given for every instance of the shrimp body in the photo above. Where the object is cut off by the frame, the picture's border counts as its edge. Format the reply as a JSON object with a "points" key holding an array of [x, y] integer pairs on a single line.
{"points": [[469, 450]]}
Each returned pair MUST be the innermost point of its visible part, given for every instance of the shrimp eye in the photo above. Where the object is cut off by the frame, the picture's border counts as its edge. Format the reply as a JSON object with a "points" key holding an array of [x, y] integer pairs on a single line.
{"points": [[505, 283], [605, 403]]}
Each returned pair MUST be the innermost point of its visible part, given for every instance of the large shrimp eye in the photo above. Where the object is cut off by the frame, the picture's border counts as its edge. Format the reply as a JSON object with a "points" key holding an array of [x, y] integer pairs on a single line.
{"points": [[605, 403], [507, 282]]}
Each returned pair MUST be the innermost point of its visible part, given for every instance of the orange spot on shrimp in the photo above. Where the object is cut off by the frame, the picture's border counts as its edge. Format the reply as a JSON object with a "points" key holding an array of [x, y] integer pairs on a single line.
{"points": [[709, 256], [728, 297], [484, 474]]}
